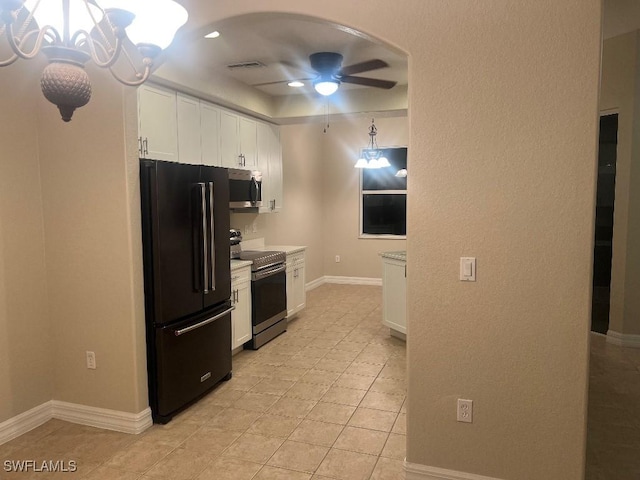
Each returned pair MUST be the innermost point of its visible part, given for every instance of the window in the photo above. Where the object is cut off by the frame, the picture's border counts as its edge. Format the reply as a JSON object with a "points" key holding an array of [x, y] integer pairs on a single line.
{"points": [[383, 197]]}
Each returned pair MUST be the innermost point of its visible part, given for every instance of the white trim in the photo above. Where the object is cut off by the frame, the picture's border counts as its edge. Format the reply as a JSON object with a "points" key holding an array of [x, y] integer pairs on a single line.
{"points": [[315, 283], [353, 280], [25, 422], [623, 339], [125, 422], [133, 423], [416, 471]]}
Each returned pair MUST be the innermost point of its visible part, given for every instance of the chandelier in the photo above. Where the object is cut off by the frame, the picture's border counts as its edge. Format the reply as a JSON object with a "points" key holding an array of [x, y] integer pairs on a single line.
{"points": [[124, 36], [372, 156]]}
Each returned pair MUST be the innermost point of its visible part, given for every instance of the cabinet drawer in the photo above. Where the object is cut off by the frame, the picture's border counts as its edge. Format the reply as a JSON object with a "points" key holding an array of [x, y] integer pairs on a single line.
{"points": [[295, 259], [241, 275]]}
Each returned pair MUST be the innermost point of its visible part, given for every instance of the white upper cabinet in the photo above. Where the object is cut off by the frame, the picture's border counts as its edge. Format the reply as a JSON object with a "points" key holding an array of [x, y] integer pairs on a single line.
{"points": [[229, 140], [189, 148], [210, 134], [248, 139], [270, 164], [157, 123]]}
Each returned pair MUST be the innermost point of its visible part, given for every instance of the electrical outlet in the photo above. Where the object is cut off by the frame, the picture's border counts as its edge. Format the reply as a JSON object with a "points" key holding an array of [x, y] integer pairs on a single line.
{"points": [[465, 410], [91, 360], [255, 227], [247, 230], [337, 258]]}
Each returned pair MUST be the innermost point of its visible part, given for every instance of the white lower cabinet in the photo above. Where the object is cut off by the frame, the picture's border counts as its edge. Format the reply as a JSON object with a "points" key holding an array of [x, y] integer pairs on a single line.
{"points": [[241, 299], [296, 293], [394, 294]]}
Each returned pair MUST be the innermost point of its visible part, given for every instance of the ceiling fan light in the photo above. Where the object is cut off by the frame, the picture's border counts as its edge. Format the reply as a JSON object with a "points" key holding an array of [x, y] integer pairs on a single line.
{"points": [[296, 84], [326, 87]]}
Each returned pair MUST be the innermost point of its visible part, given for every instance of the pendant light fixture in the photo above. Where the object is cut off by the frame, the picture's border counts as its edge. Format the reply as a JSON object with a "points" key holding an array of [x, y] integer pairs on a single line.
{"points": [[115, 34], [372, 156]]}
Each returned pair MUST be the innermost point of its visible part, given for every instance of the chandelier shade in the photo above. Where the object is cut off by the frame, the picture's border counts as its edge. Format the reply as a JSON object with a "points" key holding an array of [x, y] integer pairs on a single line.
{"points": [[119, 35]]}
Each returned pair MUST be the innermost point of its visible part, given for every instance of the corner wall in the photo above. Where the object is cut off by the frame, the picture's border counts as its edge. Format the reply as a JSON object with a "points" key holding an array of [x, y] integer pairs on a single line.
{"points": [[620, 92], [26, 358]]}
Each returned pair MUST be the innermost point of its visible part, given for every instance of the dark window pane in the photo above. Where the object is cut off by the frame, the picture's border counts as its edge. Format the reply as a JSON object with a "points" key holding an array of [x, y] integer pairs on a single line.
{"points": [[385, 178], [384, 214]]}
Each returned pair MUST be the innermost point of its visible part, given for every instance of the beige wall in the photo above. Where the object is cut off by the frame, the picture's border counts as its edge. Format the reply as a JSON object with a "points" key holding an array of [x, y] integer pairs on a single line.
{"points": [[26, 366], [506, 122], [321, 203], [618, 94], [343, 141], [300, 222], [94, 298]]}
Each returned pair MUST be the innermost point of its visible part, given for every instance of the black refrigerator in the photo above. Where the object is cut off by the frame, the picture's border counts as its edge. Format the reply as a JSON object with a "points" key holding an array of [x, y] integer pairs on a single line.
{"points": [[187, 282]]}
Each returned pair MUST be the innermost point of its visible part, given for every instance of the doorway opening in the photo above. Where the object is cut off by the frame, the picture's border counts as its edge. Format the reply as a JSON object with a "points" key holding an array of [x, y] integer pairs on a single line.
{"points": [[605, 198]]}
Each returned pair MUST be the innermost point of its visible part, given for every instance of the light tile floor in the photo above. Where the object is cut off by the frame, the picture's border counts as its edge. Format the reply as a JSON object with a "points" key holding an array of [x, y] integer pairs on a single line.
{"points": [[613, 428], [325, 400]]}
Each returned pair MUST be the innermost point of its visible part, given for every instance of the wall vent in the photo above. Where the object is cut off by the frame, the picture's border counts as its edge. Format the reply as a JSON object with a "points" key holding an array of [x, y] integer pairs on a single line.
{"points": [[252, 64]]}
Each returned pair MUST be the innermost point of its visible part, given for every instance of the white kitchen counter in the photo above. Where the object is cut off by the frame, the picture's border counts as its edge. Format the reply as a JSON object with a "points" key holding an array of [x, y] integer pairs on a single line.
{"points": [[401, 255], [236, 264]]}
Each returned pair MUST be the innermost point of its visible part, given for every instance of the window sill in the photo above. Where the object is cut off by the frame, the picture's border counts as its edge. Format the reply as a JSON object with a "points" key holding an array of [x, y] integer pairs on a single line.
{"points": [[382, 236]]}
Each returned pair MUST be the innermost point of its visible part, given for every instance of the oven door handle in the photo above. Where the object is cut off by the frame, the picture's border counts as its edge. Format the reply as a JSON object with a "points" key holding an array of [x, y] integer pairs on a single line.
{"points": [[267, 273], [182, 331]]}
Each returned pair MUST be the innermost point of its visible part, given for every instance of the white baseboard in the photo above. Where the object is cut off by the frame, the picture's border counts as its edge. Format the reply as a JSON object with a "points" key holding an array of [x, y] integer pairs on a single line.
{"points": [[623, 339], [20, 424], [416, 471], [314, 283], [353, 280], [133, 423]]}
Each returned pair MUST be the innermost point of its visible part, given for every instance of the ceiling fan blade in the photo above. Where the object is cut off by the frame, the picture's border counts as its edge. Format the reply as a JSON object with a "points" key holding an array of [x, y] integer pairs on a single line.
{"points": [[364, 67], [369, 82]]}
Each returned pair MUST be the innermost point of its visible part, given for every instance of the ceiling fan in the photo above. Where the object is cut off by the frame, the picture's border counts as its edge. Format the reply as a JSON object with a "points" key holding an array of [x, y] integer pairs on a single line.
{"points": [[330, 73]]}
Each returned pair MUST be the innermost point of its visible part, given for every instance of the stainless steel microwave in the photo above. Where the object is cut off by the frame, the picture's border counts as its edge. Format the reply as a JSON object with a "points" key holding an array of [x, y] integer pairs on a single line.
{"points": [[245, 188]]}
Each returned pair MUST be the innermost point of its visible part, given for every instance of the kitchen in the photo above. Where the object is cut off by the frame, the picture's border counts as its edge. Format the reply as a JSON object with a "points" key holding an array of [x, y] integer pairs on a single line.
{"points": [[81, 227]]}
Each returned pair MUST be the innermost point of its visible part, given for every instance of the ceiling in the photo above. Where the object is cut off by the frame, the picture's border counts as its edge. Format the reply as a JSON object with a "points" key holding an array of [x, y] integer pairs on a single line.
{"points": [[282, 45]]}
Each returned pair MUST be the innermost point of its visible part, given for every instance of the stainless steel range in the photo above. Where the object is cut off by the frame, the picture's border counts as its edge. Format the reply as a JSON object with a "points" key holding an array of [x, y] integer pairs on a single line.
{"points": [[268, 295]]}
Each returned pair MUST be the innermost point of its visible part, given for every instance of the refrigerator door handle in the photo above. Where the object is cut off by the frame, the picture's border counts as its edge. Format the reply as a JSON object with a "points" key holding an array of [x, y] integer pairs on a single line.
{"points": [[205, 248], [213, 239], [182, 331]]}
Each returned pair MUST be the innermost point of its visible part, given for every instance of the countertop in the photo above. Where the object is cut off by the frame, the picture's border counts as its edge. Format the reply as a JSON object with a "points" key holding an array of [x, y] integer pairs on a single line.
{"points": [[400, 255], [236, 264]]}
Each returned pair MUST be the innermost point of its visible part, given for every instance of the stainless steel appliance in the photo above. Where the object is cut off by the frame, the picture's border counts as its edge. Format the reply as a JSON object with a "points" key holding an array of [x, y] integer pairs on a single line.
{"points": [[268, 295], [187, 282], [245, 189], [235, 237]]}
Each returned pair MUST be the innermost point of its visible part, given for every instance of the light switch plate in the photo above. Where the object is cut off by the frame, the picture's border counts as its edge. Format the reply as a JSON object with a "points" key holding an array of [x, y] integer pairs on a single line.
{"points": [[468, 269]]}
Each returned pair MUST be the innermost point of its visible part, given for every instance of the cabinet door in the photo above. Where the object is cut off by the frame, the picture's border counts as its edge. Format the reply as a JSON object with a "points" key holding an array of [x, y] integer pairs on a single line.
{"points": [[290, 292], [394, 297], [229, 140], [275, 169], [210, 133], [189, 149], [157, 123], [264, 153], [299, 295], [241, 316], [248, 139]]}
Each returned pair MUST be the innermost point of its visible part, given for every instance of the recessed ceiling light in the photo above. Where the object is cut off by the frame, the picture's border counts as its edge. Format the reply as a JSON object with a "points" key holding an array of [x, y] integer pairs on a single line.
{"points": [[296, 83], [214, 34]]}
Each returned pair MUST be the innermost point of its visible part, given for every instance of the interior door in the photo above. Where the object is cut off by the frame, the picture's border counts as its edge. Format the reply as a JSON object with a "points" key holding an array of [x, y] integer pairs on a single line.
{"points": [[217, 181], [172, 238]]}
